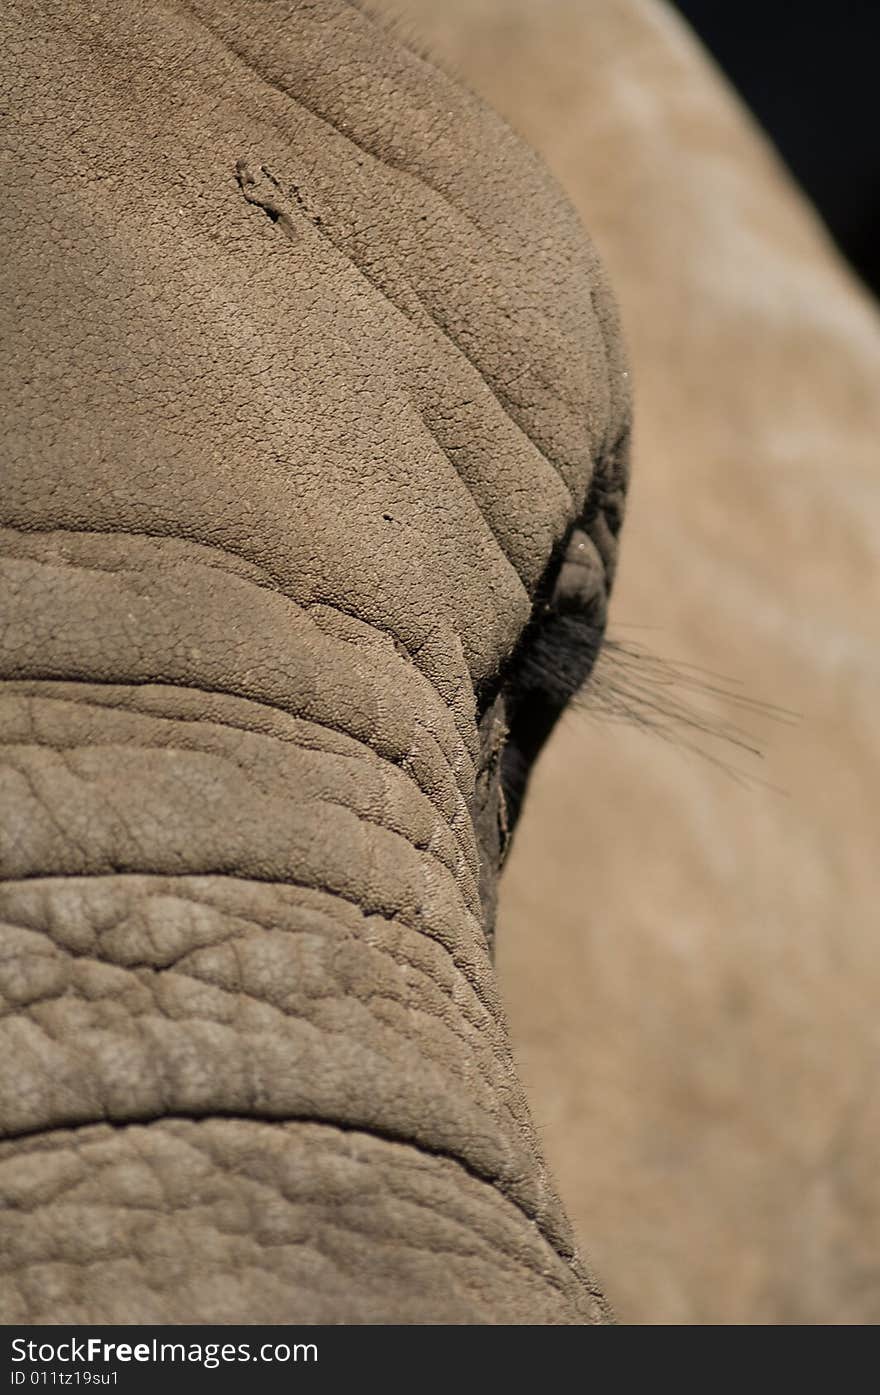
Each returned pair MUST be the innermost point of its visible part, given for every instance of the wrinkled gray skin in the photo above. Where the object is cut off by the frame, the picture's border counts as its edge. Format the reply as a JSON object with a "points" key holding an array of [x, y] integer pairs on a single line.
{"points": [[308, 373]]}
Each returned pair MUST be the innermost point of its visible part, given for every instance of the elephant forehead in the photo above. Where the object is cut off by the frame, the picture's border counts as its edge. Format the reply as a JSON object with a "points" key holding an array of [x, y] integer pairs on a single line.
{"points": [[283, 288]]}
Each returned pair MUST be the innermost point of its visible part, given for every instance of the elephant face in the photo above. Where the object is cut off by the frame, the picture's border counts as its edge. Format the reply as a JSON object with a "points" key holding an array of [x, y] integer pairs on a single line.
{"points": [[318, 462]]}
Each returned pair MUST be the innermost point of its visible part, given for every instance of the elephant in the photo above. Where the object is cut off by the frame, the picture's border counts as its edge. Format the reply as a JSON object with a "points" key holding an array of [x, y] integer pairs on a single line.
{"points": [[315, 458]]}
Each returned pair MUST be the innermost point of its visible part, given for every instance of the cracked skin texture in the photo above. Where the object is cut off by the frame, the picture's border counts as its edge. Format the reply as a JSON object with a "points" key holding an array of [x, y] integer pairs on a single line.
{"points": [[307, 369]]}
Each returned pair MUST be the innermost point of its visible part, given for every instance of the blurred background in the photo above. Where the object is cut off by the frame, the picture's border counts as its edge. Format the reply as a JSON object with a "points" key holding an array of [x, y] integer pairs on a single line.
{"points": [[690, 955], [809, 73]]}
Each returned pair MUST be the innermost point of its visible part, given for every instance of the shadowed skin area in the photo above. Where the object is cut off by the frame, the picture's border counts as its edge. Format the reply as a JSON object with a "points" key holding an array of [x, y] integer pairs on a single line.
{"points": [[315, 413]]}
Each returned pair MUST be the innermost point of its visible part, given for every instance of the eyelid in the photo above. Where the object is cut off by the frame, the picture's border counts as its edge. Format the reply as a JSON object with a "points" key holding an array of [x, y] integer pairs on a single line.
{"points": [[581, 579]]}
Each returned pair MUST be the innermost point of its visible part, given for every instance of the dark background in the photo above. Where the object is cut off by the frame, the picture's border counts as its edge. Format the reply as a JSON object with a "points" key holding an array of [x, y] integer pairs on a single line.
{"points": [[810, 72]]}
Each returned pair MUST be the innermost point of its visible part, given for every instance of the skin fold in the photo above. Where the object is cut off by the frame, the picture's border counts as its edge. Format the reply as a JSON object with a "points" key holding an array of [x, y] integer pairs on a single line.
{"points": [[698, 1032], [314, 405]]}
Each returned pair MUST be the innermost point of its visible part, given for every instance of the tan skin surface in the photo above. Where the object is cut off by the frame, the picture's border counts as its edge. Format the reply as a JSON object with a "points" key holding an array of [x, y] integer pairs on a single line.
{"points": [[308, 371], [697, 1017], [288, 1018]]}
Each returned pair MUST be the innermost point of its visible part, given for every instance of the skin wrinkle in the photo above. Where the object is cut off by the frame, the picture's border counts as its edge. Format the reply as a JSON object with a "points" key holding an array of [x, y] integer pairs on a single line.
{"points": [[486, 233], [277, 587], [479, 1020], [453, 822], [335, 893], [387, 1135], [316, 801], [130, 690], [301, 610], [262, 578], [503, 402], [298, 417], [348, 134], [262, 702], [486, 1020], [285, 222], [168, 1106], [53, 955], [464, 966], [412, 1160], [268, 880], [175, 972], [66, 752]]}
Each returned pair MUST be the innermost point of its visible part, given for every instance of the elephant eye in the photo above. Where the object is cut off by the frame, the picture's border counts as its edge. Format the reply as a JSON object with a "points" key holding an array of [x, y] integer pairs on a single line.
{"points": [[553, 660]]}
